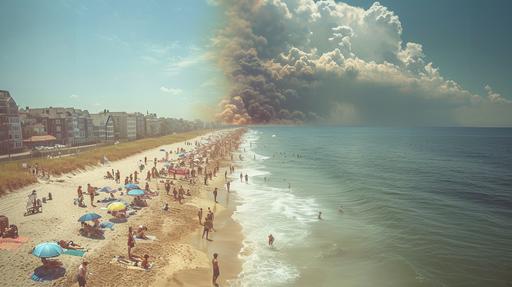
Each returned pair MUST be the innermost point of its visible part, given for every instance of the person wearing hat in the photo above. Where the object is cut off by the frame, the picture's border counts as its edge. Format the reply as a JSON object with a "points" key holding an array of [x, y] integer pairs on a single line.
{"points": [[82, 274]]}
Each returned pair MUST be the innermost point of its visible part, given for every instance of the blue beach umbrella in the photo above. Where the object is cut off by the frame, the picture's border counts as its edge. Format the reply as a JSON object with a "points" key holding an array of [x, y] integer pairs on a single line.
{"points": [[107, 189], [131, 186], [136, 192], [47, 250], [89, 217]]}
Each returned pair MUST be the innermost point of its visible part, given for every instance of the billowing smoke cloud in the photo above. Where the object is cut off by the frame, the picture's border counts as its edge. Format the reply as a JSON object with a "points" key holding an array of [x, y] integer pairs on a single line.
{"points": [[301, 60]]}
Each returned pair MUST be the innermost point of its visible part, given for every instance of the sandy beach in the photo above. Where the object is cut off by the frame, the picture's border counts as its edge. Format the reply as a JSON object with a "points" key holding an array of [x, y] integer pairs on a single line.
{"points": [[178, 255]]}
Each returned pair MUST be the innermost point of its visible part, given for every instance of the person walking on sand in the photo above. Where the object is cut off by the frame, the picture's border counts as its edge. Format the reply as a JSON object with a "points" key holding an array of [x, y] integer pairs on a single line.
{"points": [[215, 195], [91, 192], [131, 242], [82, 274], [228, 185], [216, 270], [206, 227], [246, 178], [200, 216], [241, 177], [271, 240]]}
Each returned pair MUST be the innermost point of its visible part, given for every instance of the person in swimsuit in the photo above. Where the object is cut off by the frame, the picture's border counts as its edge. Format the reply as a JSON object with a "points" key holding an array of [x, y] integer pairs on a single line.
{"points": [[131, 242], [271, 240], [216, 270]]}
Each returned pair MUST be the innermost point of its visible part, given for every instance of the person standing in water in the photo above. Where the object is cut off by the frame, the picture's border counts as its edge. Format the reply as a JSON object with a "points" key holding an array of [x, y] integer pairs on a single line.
{"points": [[215, 195], [216, 269], [320, 215], [271, 240], [200, 215], [246, 178], [241, 177]]}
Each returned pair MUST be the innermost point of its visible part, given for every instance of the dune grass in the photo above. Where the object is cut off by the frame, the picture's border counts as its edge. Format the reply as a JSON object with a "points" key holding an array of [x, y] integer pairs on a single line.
{"points": [[13, 176]]}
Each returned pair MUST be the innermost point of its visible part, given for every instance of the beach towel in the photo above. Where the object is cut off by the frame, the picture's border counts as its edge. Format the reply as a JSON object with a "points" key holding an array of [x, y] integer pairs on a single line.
{"points": [[74, 252], [150, 238], [107, 224], [129, 264], [42, 274], [12, 243]]}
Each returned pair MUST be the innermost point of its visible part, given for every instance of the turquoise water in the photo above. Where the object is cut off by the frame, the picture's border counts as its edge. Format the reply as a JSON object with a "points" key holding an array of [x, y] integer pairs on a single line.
{"points": [[420, 207]]}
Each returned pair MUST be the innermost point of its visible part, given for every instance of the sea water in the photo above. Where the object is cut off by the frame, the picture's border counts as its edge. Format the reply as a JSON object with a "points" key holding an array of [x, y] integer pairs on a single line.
{"points": [[400, 207]]}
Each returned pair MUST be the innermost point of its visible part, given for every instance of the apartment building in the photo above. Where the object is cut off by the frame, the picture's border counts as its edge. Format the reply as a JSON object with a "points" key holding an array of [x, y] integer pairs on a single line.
{"points": [[11, 139]]}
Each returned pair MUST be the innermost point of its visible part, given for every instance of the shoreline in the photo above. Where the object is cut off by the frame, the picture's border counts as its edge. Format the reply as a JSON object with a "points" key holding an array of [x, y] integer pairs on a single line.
{"points": [[175, 254]]}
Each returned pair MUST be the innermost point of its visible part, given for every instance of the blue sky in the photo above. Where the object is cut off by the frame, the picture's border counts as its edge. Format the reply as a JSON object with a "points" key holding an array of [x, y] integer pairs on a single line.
{"points": [[152, 55], [119, 55]]}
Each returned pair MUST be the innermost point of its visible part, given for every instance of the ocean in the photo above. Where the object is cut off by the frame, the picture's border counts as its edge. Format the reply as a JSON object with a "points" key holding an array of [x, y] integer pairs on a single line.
{"points": [[400, 206]]}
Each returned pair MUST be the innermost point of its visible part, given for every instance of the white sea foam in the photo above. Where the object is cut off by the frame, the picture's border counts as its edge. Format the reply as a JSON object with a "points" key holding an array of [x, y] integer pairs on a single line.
{"points": [[265, 210]]}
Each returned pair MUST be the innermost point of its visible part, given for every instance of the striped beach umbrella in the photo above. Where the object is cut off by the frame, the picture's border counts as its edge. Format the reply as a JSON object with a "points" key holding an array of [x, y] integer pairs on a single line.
{"points": [[47, 250]]}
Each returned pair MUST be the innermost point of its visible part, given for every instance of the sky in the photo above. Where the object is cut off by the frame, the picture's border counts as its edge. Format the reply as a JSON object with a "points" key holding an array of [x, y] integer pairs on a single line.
{"points": [[177, 58], [117, 55]]}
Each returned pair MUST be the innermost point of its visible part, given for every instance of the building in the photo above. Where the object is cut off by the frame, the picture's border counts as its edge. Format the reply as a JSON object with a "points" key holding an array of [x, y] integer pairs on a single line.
{"points": [[69, 126], [11, 139], [125, 125], [103, 126], [140, 125], [153, 125], [39, 141]]}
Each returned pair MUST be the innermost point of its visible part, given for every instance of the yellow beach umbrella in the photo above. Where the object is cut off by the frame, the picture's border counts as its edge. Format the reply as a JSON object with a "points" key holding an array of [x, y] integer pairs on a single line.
{"points": [[116, 206]]}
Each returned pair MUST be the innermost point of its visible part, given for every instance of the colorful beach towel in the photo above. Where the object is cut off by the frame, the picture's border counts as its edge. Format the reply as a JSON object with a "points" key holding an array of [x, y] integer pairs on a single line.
{"points": [[74, 252], [107, 224], [12, 243]]}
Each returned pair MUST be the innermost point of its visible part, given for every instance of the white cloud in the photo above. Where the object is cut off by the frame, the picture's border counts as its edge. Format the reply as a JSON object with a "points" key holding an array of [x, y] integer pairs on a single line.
{"points": [[178, 64], [171, 91], [74, 96]]}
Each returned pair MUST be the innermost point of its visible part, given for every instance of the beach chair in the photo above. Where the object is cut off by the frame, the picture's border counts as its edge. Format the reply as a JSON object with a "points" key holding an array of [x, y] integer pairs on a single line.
{"points": [[33, 207]]}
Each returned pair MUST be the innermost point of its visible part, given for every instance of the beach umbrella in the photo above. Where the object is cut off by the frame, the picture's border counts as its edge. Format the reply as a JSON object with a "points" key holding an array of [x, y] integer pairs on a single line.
{"points": [[136, 192], [116, 206], [89, 217], [47, 250], [107, 189], [131, 186]]}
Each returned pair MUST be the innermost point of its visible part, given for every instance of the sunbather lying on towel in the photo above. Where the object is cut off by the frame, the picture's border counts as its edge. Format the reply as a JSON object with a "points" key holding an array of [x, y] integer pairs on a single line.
{"points": [[69, 245]]}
